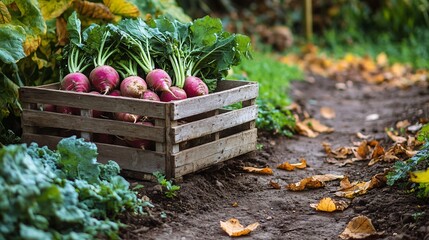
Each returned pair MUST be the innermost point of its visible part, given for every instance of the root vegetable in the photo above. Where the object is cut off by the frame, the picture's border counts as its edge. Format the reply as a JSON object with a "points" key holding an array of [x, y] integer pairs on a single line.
{"points": [[174, 94], [194, 87]]}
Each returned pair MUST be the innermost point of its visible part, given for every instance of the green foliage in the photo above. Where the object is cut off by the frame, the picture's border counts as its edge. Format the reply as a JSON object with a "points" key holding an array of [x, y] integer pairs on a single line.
{"points": [[48, 195], [171, 189], [273, 78], [401, 169]]}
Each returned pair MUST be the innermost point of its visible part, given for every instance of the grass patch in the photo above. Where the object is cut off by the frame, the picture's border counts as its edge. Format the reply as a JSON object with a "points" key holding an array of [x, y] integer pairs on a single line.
{"points": [[273, 78]]}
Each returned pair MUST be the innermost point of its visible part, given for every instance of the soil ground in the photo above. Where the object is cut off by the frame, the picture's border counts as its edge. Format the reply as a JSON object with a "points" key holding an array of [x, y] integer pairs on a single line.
{"points": [[207, 197]]}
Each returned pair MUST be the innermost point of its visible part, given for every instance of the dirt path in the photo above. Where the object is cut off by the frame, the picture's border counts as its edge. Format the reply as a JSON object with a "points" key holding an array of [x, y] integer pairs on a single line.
{"points": [[207, 197]]}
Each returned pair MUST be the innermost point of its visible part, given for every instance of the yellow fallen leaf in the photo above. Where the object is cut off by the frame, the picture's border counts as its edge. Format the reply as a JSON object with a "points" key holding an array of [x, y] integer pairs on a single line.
{"points": [[235, 204], [291, 166], [341, 152], [377, 152], [265, 170], [234, 229], [382, 59], [327, 177], [305, 130], [351, 190], [329, 205], [327, 112], [403, 124], [309, 182], [420, 176], [396, 138], [362, 136], [316, 126], [359, 227]]}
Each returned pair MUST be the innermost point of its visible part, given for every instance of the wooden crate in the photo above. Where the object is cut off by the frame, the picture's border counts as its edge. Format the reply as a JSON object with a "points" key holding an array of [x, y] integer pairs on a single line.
{"points": [[190, 134]]}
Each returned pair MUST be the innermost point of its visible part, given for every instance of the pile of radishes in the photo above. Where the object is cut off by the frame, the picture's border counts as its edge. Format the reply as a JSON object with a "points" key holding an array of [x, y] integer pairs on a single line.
{"points": [[163, 60]]}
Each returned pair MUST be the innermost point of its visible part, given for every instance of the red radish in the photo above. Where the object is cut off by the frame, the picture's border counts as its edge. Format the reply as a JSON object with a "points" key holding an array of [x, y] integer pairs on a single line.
{"points": [[127, 117], [133, 86], [174, 94], [150, 95], [115, 93], [140, 143], [158, 80], [194, 87], [103, 138], [48, 108], [76, 81], [104, 78], [67, 110], [95, 113]]}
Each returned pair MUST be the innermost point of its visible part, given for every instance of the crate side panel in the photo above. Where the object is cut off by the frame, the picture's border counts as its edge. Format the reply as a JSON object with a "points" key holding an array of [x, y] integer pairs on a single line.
{"points": [[98, 125], [214, 124], [197, 105], [90, 101], [241, 147], [127, 158], [228, 84], [218, 147]]}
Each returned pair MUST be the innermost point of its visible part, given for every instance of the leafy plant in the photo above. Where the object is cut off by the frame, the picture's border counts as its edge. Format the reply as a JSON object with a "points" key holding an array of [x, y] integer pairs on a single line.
{"points": [[63, 194], [402, 169], [171, 189]]}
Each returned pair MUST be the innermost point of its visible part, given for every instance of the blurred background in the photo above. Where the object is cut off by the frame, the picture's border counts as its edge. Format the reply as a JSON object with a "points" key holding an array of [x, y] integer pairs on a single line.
{"points": [[378, 41]]}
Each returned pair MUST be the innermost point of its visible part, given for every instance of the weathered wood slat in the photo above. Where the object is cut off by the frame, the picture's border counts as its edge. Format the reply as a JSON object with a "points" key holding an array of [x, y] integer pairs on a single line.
{"points": [[127, 158], [217, 147], [55, 86], [97, 125], [91, 101], [229, 84], [193, 106], [243, 143], [213, 124]]}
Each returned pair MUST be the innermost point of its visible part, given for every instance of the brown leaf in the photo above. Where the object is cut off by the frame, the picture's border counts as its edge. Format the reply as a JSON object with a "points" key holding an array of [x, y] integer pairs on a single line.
{"points": [[305, 130], [361, 136], [382, 60], [234, 229], [396, 138], [61, 28], [351, 190], [377, 152], [341, 152], [329, 205], [327, 112], [359, 227], [275, 185], [264, 171], [362, 151], [291, 166], [403, 124], [93, 10], [316, 126], [305, 183], [327, 177]]}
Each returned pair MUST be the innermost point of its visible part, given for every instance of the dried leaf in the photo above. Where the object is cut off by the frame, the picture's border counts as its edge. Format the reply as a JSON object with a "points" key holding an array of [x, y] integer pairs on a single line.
{"points": [[327, 112], [275, 185], [93, 10], [361, 136], [304, 130], [362, 151], [382, 59], [290, 167], [377, 152], [359, 227], [329, 205], [327, 177], [351, 190], [122, 8], [309, 182], [62, 34], [316, 126], [265, 170], [402, 124], [341, 152], [234, 229], [396, 138], [235, 204]]}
